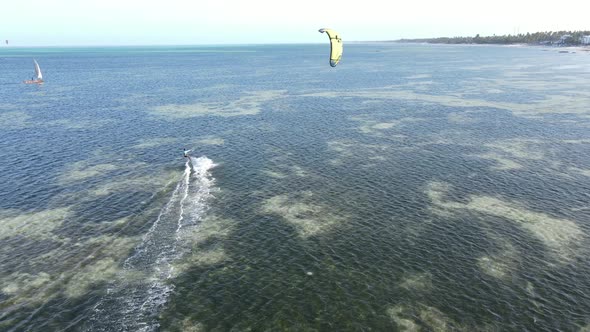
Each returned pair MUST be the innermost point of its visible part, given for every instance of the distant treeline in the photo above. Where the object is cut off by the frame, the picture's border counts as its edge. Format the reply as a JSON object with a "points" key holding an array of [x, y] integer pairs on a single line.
{"points": [[548, 37]]}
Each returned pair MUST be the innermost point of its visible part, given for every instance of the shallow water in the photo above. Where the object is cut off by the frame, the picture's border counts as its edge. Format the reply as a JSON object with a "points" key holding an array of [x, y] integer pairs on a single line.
{"points": [[413, 187]]}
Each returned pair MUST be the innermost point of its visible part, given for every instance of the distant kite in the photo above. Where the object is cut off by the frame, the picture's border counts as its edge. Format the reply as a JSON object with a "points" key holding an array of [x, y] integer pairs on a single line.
{"points": [[335, 46]]}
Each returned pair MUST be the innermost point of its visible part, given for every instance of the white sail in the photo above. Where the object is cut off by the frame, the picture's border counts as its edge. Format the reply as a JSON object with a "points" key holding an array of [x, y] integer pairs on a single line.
{"points": [[38, 70]]}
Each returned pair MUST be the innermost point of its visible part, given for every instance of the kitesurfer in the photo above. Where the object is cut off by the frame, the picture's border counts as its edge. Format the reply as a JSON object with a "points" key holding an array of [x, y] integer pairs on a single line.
{"points": [[185, 153]]}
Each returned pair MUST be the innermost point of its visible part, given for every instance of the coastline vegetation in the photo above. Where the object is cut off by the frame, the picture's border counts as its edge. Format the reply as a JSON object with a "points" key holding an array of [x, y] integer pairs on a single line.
{"points": [[562, 38]]}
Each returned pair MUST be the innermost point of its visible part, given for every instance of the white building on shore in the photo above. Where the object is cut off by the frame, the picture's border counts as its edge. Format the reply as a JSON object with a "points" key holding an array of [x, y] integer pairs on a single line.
{"points": [[585, 40], [564, 39]]}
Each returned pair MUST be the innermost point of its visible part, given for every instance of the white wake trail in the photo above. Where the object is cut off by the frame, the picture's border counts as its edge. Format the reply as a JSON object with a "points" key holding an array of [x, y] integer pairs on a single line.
{"points": [[133, 304], [200, 192], [186, 178]]}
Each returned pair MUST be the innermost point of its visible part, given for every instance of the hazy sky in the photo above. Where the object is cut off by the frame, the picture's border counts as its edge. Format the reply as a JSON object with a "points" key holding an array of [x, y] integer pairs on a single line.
{"points": [[116, 22]]}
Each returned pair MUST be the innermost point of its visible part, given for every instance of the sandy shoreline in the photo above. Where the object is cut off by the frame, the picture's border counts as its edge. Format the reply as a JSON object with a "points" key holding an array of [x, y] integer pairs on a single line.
{"points": [[563, 49], [569, 49], [585, 48]]}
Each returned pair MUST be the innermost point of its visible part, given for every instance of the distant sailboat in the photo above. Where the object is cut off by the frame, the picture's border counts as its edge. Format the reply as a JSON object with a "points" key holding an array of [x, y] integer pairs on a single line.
{"points": [[39, 79]]}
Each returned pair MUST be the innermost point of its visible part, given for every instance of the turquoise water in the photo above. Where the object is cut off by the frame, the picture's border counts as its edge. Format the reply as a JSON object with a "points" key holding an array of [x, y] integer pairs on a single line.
{"points": [[413, 187]]}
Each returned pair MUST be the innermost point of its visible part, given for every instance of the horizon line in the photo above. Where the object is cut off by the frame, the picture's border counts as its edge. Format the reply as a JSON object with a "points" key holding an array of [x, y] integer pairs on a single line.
{"points": [[188, 45]]}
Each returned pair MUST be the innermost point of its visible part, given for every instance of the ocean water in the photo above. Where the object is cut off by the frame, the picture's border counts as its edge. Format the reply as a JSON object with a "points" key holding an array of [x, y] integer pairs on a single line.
{"points": [[411, 188]]}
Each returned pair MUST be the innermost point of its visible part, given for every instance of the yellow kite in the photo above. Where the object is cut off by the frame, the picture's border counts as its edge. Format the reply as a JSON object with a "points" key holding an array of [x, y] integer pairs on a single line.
{"points": [[335, 46]]}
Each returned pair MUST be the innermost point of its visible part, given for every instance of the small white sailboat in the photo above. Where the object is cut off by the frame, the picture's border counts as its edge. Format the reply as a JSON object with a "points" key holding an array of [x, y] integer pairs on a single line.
{"points": [[38, 74]]}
